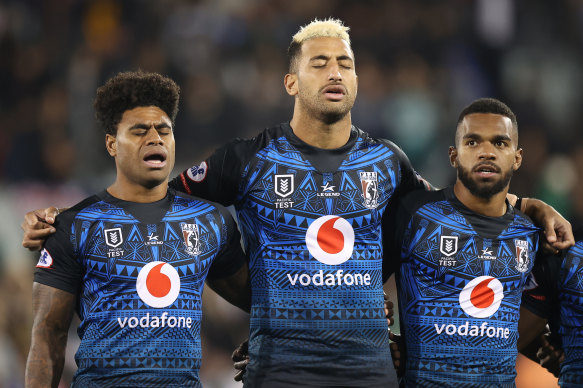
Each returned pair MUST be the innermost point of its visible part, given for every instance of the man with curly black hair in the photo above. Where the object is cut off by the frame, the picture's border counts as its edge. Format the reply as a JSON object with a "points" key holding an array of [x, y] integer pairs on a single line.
{"points": [[132, 260]]}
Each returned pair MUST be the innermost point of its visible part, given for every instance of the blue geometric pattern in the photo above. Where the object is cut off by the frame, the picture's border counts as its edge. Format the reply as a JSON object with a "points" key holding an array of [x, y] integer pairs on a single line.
{"points": [[125, 342], [570, 286], [446, 346], [338, 329]]}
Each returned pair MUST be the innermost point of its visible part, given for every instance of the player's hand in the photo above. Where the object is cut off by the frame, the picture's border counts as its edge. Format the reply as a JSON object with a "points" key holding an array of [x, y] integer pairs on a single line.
{"points": [[37, 226], [396, 353], [558, 231], [240, 359], [388, 310], [549, 357]]}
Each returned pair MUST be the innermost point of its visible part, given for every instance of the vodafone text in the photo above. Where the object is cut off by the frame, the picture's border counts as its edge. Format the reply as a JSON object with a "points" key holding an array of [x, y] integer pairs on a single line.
{"points": [[473, 330], [163, 321], [331, 279]]}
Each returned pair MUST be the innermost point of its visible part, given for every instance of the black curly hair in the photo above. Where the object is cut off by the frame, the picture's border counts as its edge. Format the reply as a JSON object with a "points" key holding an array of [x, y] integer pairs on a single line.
{"points": [[132, 89], [488, 105]]}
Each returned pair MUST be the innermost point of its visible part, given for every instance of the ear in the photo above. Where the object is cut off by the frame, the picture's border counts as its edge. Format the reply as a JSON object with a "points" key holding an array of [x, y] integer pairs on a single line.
{"points": [[111, 144], [517, 159], [290, 81], [452, 156]]}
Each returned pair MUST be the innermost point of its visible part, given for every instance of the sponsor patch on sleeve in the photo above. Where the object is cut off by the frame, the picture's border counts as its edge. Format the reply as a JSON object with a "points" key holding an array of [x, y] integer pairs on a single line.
{"points": [[45, 260], [197, 173]]}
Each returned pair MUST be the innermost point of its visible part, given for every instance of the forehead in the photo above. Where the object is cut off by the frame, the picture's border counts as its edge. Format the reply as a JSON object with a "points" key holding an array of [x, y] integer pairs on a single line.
{"points": [[327, 46], [487, 124], [144, 115]]}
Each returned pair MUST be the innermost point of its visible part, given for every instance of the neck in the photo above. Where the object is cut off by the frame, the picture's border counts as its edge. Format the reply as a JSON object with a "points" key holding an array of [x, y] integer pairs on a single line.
{"points": [[494, 206], [318, 133], [132, 192]]}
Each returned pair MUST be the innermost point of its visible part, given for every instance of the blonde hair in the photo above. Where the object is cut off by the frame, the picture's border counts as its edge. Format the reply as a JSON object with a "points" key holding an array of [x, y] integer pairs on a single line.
{"points": [[333, 28], [327, 28]]}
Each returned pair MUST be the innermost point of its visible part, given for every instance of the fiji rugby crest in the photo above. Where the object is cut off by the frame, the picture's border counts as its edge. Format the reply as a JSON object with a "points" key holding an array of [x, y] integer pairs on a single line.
{"points": [[370, 189]]}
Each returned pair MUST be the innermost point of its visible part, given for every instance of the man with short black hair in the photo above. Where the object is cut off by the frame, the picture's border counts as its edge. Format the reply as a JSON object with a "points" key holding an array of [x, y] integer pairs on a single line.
{"points": [[462, 256]]}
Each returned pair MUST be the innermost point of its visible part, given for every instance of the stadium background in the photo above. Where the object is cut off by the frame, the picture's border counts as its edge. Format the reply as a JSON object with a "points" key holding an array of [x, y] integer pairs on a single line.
{"points": [[419, 63]]}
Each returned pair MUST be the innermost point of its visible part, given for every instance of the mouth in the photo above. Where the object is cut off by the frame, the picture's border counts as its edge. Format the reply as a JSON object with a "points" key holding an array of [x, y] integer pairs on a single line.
{"points": [[334, 92], [155, 158], [486, 170]]}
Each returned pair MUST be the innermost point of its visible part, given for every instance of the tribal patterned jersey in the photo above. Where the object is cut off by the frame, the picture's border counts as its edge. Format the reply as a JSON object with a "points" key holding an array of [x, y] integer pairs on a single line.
{"points": [[138, 270], [557, 295], [311, 222], [460, 276]]}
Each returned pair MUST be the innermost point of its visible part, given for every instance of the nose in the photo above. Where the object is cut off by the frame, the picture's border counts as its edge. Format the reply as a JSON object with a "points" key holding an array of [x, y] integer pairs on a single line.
{"points": [[334, 73], [486, 151], [154, 137]]}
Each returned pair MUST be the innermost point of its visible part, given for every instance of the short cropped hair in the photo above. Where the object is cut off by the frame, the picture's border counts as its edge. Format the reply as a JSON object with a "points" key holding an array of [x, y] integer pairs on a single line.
{"points": [[488, 105], [330, 27], [132, 89]]}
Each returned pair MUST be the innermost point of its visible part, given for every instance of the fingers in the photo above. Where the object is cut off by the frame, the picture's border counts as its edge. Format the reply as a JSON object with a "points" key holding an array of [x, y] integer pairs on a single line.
{"points": [[559, 232], [548, 248], [35, 239], [550, 230], [396, 354], [241, 352], [239, 375], [241, 358], [241, 365], [549, 357], [37, 226], [394, 337], [389, 311], [564, 235]]}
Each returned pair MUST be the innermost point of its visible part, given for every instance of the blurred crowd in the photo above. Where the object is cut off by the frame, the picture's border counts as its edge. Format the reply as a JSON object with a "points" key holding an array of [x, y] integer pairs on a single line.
{"points": [[419, 63]]}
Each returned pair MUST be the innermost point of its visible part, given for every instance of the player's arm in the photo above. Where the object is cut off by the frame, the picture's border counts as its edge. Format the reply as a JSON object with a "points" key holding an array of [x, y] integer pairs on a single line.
{"points": [[558, 231], [52, 310], [37, 226], [217, 178], [235, 289], [530, 327], [228, 275]]}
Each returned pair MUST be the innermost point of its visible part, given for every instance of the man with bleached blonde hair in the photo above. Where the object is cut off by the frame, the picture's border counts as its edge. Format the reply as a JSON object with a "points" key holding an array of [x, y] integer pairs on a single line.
{"points": [[310, 195]]}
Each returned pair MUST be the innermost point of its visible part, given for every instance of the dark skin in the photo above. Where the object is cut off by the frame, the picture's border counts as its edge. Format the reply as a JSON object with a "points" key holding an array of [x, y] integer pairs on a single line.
{"points": [[485, 154], [141, 132], [53, 311]]}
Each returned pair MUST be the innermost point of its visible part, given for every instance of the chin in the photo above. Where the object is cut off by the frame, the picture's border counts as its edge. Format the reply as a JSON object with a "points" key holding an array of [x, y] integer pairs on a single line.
{"points": [[153, 182]]}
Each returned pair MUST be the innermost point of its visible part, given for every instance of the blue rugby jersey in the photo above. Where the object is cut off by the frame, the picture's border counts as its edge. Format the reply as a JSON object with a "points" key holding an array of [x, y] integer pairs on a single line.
{"points": [[311, 223], [138, 270], [558, 297], [460, 276]]}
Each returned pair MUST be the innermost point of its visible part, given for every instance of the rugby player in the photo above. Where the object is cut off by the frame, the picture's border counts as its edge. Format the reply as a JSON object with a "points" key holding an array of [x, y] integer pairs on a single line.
{"points": [[132, 259]]}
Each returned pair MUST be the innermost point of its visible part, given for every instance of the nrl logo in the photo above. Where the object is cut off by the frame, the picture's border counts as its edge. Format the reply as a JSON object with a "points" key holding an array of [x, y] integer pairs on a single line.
{"points": [[370, 191], [448, 245], [191, 238], [284, 185], [113, 237]]}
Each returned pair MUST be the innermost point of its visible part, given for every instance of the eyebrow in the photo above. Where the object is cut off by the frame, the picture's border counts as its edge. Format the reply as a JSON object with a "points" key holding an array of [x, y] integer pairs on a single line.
{"points": [[496, 138], [326, 57], [146, 126]]}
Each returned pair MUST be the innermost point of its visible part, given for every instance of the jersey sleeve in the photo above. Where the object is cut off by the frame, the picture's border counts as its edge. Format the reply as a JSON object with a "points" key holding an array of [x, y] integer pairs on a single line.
{"points": [[217, 178], [538, 295], [410, 179], [230, 257], [394, 223], [58, 266]]}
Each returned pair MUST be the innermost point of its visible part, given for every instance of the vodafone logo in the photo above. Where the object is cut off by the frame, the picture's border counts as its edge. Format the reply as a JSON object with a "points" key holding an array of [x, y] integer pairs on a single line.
{"points": [[158, 284], [330, 239], [481, 297]]}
